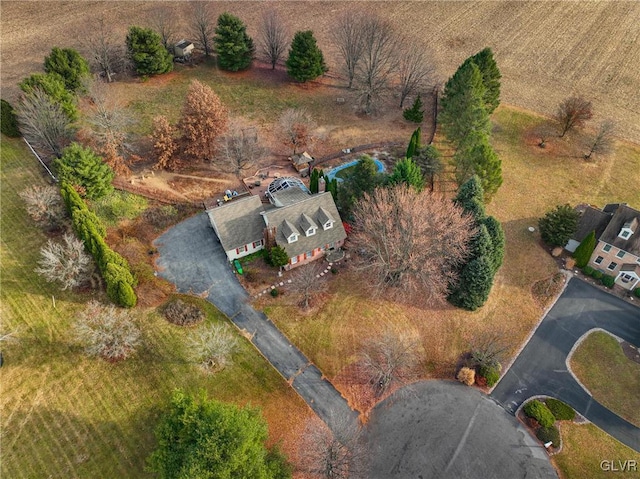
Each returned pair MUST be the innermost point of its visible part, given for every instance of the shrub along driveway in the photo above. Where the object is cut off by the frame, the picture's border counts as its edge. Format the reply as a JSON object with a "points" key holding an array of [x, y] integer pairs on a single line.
{"points": [[541, 368], [192, 259]]}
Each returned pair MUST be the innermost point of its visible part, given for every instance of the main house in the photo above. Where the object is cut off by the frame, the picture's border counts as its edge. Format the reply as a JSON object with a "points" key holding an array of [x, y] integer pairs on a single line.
{"points": [[617, 253], [306, 226]]}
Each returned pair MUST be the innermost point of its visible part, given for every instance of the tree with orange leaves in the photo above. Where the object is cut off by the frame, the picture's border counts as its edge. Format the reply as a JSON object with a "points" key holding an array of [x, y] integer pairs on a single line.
{"points": [[164, 143]]}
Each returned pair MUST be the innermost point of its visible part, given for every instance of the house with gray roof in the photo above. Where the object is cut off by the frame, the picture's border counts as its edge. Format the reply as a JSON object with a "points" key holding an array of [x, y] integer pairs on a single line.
{"points": [[617, 252], [239, 226], [306, 228]]}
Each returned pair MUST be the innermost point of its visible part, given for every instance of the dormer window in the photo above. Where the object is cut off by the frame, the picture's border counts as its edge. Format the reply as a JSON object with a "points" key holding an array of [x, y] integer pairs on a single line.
{"points": [[311, 231], [327, 226], [625, 233], [289, 231], [325, 219], [307, 225], [292, 238], [628, 229]]}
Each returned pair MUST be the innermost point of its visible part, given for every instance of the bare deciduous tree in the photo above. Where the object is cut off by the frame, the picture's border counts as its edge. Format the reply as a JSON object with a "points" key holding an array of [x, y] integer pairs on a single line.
{"points": [[66, 263], [489, 349], [378, 62], [340, 454], [573, 112], [274, 37], [296, 127], [107, 332], [390, 357], [108, 119], [409, 244], [204, 119], [107, 54], [543, 132], [44, 205], [163, 21], [415, 71], [164, 143], [240, 149], [347, 36], [43, 122], [307, 283], [203, 26], [602, 142], [212, 346]]}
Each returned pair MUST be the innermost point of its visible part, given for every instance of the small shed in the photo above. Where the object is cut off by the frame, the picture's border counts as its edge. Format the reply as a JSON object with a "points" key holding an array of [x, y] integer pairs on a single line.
{"points": [[302, 163], [183, 49]]}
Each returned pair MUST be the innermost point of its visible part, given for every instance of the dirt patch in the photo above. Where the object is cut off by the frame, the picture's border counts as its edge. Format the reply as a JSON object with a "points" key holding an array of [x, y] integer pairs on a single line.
{"points": [[630, 351]]}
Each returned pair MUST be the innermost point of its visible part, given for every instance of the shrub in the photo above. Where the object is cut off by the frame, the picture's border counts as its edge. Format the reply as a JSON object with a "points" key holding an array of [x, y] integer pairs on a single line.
{"points": [[278, 256], [541, 413], [181, 313], [8, 122], [275, 292], [558, 225], [637, 292], [585, 249], [466, 376], [597, 274], [250, 275], [608, 280], [416, 112], [491, 373], [560, 410], [588, 271], [551, 433]]}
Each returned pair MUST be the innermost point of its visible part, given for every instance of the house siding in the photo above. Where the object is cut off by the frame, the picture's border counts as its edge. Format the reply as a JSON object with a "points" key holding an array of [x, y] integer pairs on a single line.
{"points": [[610, 256], [248, 249], [316, 254]]}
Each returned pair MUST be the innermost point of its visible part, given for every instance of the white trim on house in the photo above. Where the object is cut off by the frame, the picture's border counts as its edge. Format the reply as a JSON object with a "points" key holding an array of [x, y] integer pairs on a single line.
{"points": [[606, 247], [630, 275]]}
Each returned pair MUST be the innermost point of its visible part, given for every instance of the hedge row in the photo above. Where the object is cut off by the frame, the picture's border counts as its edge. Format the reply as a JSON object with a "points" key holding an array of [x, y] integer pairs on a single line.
{"points": [[540, 412], [113, 267], [606, 279], [560, 410]]}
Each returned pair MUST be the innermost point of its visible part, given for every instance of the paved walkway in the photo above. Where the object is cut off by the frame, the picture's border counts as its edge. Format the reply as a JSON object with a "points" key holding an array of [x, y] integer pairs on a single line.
{"points": [[541, 367], [192, 259]]}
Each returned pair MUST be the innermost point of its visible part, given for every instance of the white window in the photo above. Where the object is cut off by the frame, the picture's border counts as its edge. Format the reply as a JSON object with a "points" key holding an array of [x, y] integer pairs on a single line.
{"points": [[620, 254], [606, 248], [308, 254], [328, 225], [613, 265], [626, 278], [256, 244], [598, 260], [625, 234], [294, 260], [293, 238], [311, 231], [241, 249]]}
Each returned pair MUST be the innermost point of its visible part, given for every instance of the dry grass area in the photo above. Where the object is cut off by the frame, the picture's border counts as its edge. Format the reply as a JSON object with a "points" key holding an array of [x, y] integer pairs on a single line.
{"points": [[585, 446], [610, 376], [546, 50]]}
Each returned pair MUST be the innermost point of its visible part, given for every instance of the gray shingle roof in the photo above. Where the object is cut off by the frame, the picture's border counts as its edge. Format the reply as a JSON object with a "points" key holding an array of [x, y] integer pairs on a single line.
{"points": [[312, 206], [590, 220], [623, 214], [288, 229], [324, 216], [306, 222], [239, 222]]}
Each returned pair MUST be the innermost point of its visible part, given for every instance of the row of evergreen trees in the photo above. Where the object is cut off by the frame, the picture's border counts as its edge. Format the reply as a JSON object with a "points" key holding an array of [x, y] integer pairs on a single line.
{"points": [[114, 268], [470, 96]]}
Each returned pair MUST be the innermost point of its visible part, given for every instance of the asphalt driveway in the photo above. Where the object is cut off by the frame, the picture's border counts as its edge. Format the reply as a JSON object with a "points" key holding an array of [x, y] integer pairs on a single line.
{"points": [[541, 367], [443, 429], [191, 258]]}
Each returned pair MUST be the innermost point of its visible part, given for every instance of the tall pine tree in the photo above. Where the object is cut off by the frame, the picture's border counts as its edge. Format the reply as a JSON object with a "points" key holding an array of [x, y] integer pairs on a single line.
{"points": [[414, 143], [305, 61], [583, 252], [147, 53], [233, 46], [476, 156], [463, 105], [490, 77], [81, 167], [406, 171]]}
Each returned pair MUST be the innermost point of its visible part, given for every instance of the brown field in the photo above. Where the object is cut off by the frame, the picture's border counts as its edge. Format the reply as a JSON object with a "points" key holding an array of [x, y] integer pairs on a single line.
{"points": [[545, 50]]}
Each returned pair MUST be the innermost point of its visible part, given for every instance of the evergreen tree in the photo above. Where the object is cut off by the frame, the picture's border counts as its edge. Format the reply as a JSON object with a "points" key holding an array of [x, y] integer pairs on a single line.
{"points": [[200, 438], [463, 108], [53, 86], [481, 244], [314, 179], [494, 228], [558, 225], [406, 171], [414, 143], [490, 77], [70, 65], [583, 252], [469, 195], [333, 188], [476, 280], [147, 52], [233, 46], [278, 256], [416, 112], [81, 167], [305, 61], [476, 157], [429, 159], [8, 120]]}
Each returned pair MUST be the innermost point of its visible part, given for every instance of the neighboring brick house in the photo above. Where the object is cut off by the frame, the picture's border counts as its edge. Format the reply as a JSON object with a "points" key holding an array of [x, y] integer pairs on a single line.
{"points": [[306, 226], [617, 252]]}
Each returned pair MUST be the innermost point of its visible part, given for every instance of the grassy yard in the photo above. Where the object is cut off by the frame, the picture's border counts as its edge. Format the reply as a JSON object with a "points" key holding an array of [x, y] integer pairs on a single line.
{"points": [[611, 377], [584, 447], [66, 415]]}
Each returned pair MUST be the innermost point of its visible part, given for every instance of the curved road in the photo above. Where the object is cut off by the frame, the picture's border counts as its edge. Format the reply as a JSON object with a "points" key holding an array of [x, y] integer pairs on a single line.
{"points": [[541, 367], [192, 259]]}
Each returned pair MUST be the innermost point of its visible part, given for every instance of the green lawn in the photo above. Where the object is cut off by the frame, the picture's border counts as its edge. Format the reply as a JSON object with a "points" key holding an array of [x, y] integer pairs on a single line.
{"points": [[584, 447], [611, 377], [66, 415]]}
